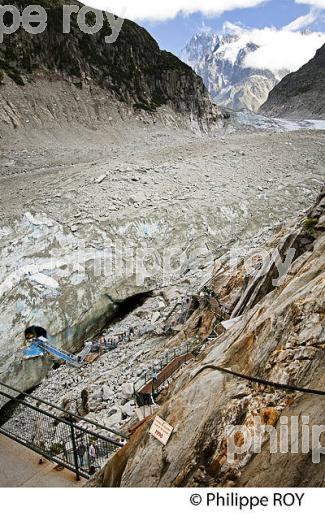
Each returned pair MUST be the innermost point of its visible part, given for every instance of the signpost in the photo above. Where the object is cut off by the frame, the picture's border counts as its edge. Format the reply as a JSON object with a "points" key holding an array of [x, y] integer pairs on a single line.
{"points": [[161, 430]]}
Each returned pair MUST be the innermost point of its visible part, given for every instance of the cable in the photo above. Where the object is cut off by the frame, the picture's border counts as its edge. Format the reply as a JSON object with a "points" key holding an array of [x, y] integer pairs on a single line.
{"points": [[260, 381]]}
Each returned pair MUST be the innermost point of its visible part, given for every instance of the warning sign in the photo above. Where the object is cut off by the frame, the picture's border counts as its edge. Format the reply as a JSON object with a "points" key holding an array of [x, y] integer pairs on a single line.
{"points": [[161, 430]]}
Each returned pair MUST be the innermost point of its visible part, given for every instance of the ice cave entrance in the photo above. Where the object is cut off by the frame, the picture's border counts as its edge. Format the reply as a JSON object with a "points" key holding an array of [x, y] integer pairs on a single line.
{"points": [[35, 332]]}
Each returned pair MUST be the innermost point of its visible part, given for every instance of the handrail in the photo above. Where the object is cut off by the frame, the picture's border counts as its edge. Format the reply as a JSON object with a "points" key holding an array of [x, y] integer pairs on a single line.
{"points": [[61, 420], [177, 352], [59, 439], [259, 380], [73, 415]]}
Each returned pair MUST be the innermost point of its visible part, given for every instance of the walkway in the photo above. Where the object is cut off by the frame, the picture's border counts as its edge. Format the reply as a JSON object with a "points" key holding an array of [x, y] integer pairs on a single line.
{"points": [[20, 468], [165, 373]]}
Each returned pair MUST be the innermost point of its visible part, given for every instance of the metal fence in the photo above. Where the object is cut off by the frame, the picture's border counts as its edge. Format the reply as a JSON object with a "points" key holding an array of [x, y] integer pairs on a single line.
{"points": [[158, 367], [56, 434]]}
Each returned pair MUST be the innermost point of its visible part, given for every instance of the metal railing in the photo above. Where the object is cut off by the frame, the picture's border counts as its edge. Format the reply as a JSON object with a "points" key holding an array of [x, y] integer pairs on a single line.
{"points": [[55, 434], [158, 367]]}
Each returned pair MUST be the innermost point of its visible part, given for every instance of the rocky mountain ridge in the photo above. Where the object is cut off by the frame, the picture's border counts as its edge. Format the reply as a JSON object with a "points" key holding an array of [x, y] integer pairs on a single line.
{"points": [[300, 94], [133, 71]]}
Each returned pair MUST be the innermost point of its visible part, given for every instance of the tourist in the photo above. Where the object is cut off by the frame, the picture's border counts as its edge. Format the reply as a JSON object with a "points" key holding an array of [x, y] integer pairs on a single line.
{"points": [[154, 378], [81, 450], [92, 454], [38, 438]]}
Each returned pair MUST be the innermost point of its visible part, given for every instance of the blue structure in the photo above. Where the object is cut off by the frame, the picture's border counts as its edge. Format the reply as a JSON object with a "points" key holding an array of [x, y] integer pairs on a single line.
{"points": [[33, 351], [40, 347]]}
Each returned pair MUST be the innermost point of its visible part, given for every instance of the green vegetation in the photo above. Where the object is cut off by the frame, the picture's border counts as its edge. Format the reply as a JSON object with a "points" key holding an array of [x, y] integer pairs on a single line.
{"points": [[50, 4], [144, 106], [56, 448], [167, 61], [12, 72], [310, 224]]}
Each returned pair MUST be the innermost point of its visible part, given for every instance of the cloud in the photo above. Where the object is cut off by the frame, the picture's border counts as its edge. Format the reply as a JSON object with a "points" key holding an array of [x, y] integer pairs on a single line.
{"points": [[315, 3], [233, 28], [279, 49], [205, 29], [303, 21], [156, 10]]}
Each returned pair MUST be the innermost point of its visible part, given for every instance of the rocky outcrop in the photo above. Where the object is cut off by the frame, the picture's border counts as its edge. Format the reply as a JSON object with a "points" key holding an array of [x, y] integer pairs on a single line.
{"points": [[248, 93], [279, 338], [300, 94], [132, 71]]}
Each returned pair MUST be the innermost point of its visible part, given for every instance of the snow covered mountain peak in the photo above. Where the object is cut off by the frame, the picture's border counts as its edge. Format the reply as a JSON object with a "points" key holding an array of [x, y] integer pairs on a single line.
{"points": [[240, 65], [221, 61]]}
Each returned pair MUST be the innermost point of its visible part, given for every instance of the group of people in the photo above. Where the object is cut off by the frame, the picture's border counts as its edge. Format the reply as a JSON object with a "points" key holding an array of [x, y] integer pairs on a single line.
{"points": [[112, 342], [87, 456], [108, 343]]}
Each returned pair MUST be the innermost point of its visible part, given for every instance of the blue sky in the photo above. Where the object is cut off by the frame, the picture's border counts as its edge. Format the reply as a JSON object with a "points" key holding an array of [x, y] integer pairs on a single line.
{"points": [[173, 34], [173, 30]]}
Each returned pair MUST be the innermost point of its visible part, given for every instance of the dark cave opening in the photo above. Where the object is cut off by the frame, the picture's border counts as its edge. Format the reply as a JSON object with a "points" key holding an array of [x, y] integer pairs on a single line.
{"points": [[128, 305], [35, 331]]}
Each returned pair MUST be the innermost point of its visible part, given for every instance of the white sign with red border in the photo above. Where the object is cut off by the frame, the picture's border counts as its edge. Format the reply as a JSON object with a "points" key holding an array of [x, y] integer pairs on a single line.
{"points": [[161, 430]]}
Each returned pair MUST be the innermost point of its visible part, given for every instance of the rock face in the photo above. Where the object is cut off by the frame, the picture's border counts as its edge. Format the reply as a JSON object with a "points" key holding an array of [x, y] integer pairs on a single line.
{"points": [[249, 92], [133, 71], [220, 61], [279, 338], [300, 94]]}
